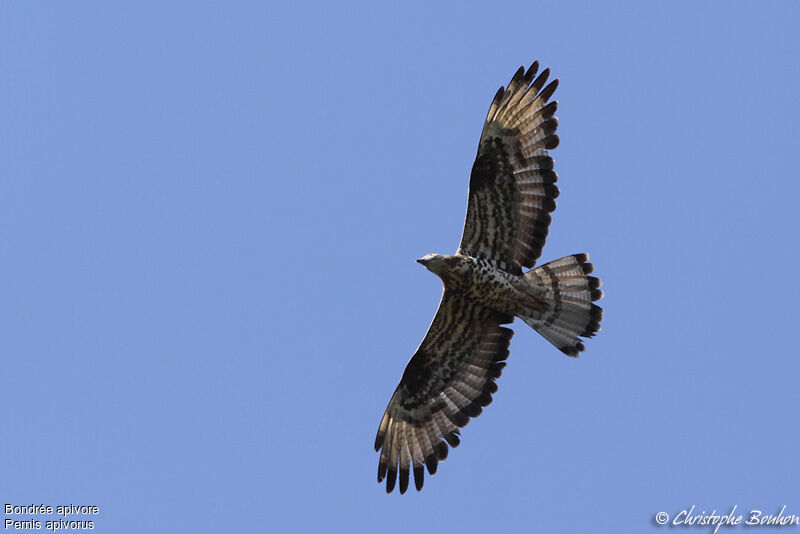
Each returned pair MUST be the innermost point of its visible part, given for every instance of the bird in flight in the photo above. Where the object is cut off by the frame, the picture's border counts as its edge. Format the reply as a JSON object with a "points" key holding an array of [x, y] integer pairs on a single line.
{"points": [[512, 191]]}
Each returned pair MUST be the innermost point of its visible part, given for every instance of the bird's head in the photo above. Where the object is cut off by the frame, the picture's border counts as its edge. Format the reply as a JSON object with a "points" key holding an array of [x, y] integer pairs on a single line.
{"points": [[433, 262]]}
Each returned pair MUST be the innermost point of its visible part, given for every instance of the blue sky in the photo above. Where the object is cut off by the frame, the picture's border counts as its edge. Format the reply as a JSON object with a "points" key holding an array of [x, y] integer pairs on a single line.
{"points": [[210, 215]]}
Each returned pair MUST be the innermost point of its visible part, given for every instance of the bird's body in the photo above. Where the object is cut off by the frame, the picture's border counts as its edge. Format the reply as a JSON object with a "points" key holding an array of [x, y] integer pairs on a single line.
{"points": [[451, 376], [479, 281]]}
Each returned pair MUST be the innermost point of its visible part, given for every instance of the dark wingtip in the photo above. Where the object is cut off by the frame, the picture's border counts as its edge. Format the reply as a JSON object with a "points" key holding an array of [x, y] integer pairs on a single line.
{"points": [[499, 94], [391, 478], [495, 370], [452, 439], [403, 479], [544, 163], [549, 178], [548, 91], [586, 266], [540, 81], [472, 409], [381, 471], [549, 109], [551, 142], [549, 126], [532, 70], [431, 462], [419, 476], [460, 419], [442, 451]]}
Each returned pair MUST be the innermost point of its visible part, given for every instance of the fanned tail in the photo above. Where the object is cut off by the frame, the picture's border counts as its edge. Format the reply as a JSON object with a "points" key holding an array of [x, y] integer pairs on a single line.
{"points": [[568, 291]]}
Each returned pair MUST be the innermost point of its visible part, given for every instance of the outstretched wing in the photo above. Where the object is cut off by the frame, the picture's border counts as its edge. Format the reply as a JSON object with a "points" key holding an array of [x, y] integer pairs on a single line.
{"points": [[448, 380], [512, 186]]}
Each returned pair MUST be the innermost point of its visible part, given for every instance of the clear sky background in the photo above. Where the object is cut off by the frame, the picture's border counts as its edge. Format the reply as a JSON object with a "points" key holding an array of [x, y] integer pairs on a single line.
{"points": [[209, 220]]}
